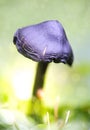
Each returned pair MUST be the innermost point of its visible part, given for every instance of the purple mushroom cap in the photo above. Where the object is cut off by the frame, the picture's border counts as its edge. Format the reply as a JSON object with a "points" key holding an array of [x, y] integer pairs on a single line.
{"points": [[44, 42]]}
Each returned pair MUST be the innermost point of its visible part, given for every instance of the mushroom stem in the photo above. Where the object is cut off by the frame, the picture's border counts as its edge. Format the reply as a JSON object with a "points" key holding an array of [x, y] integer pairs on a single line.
{"points": [[39, 79]]}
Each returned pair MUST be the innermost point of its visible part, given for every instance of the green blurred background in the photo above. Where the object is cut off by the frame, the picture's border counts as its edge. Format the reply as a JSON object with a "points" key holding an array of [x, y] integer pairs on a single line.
{"points": [[71, 86]]}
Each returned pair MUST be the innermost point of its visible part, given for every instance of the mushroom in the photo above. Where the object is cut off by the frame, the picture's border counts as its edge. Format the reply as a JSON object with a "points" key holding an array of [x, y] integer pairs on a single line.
{"points": [[44, 43]]}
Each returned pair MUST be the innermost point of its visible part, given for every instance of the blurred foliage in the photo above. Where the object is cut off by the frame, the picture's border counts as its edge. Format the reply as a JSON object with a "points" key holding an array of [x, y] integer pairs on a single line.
{"points": [[14, 120], [17, 121], [71, 86]]}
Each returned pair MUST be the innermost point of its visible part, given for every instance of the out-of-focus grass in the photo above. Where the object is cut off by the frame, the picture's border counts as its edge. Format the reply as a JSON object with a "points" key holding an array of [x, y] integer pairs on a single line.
{"points": [[14, 120]]}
